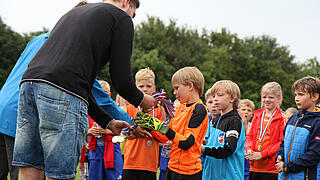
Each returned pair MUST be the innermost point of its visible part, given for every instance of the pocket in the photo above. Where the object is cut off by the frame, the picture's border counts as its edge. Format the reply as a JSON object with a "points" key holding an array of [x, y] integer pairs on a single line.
{"points": [[52, 113]]}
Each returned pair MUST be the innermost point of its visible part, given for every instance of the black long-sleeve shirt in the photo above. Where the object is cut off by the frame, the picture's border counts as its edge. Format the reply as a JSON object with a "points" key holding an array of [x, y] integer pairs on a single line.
{"points": [[80, 44]]}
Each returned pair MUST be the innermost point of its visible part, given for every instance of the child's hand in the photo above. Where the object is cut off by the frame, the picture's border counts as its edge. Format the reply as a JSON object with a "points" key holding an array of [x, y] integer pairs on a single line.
{"points": [[253, 156], [279, 164], [202, 148], [167, 144]]}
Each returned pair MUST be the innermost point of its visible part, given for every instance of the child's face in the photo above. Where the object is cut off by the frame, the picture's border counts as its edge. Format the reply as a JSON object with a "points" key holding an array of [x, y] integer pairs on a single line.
{"points": [[182, 92], [245, 113], [211, 107], [305, 101], [288, 114], [146, 86], [223, 101], [269, 101]]}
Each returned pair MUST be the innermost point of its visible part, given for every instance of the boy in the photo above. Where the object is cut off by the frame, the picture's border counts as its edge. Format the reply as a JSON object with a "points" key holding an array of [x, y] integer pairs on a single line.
{"points": [[187, 129], [225, 148], [141, 154], [212, 109], [245, 110], [298, 156]]}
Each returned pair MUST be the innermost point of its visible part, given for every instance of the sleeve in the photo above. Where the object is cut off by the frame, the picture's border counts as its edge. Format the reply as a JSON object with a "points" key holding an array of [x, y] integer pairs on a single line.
{"points": [[250, 136], [120, 65], [107, 104], [311, 157], [281, 148], [232, 135], [97, 113], [187, 140], [273, 149], [162, 116]]}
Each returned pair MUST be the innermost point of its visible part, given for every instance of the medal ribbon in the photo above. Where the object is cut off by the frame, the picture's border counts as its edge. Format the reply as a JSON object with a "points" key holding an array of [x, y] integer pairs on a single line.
{"points": [[265, 129]]}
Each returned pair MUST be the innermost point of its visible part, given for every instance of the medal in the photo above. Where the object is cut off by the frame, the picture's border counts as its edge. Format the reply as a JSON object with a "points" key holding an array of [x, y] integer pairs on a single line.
{"points": [[149, 143], [261, 135], [260, 148], [118, 139], [115, 139]]}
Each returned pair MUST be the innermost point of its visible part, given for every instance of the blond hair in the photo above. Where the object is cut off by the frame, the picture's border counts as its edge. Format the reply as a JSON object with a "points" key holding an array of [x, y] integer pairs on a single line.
{"points": [[308, 84], [145, 74], [246, 102], [208, 94], [189, 74], [230, 88], [105, 86], [273, 88]]}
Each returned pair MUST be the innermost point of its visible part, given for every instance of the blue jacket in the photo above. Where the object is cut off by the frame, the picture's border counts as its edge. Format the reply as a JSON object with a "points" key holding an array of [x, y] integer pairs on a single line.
{"points": [[9, 94], [302, 143]]}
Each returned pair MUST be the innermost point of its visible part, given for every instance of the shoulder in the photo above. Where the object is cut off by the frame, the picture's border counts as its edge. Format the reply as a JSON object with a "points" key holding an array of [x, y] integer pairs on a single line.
{"points": [[199, 114], [200, 109]]}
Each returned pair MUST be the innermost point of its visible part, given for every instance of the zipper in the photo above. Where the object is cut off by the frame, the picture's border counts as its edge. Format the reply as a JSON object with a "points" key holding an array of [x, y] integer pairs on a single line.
{"points": [[292, 141]]}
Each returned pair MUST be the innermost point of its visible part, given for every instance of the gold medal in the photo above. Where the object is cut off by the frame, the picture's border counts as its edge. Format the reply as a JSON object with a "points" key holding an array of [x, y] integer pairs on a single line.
{"points": [[260, 148]]}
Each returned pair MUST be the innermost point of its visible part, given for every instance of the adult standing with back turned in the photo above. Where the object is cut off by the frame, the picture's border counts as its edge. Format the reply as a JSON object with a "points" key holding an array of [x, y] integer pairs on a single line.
{"points": [[55, 96]]}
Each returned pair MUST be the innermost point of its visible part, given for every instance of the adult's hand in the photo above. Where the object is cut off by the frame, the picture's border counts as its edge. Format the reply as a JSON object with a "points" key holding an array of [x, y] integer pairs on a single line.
{"points": [[148, 102], [116, 126], [141, 133]]}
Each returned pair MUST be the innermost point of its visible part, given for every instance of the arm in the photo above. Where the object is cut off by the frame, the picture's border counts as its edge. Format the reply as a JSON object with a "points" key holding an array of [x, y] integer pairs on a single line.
{"points": [[107, 104], [120, 65], [187, 140], [231, 139], [272, 150], [311, 156]]}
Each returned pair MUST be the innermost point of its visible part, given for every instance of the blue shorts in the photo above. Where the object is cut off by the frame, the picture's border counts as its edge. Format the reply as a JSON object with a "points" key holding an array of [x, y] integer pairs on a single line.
{"points": [[51, 128]]}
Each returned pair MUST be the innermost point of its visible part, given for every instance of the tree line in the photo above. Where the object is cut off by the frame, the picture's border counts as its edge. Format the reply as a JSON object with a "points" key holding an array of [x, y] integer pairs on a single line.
{"points": [[250, 62]]}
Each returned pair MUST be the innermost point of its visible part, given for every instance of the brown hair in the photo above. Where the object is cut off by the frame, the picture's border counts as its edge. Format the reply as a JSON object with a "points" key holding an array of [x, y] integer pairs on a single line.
{"points": [[135, 3], [308, 84]]}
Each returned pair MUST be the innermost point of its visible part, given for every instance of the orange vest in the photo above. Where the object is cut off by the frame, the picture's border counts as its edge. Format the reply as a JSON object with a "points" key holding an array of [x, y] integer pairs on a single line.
{"points": [[186, 161], [142, 153]]}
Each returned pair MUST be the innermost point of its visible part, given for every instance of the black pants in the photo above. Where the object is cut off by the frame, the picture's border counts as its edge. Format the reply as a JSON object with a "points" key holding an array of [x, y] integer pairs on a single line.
{"points": [[6, 151], [171, 175], [262, 176], [130, 174]]}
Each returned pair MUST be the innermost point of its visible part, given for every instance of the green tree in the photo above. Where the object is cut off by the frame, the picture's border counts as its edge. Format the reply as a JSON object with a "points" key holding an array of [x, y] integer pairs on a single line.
{"points": [[11, 46]]}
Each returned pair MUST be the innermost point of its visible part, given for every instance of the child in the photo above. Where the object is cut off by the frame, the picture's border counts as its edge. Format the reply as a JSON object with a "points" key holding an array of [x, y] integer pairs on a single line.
{"points": [[265, 135], [298, 156], [165, 151], [213, 113], [141, 156], [289, 112], [105, 156], [245, 109], [225, 148], [187, 129], [212, 109]]}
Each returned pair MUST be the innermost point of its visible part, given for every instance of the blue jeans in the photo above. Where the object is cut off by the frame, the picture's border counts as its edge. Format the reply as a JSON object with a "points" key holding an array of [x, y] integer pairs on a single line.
{"points": [[51, 128]]}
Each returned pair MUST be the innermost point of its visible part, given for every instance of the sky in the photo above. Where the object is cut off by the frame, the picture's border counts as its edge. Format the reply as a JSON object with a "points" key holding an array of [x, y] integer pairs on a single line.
{"points": [[294, 23]]}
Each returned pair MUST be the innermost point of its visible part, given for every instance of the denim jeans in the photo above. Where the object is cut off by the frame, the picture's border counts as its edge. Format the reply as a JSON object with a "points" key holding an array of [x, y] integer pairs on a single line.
{"points": [[51, 128]]}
